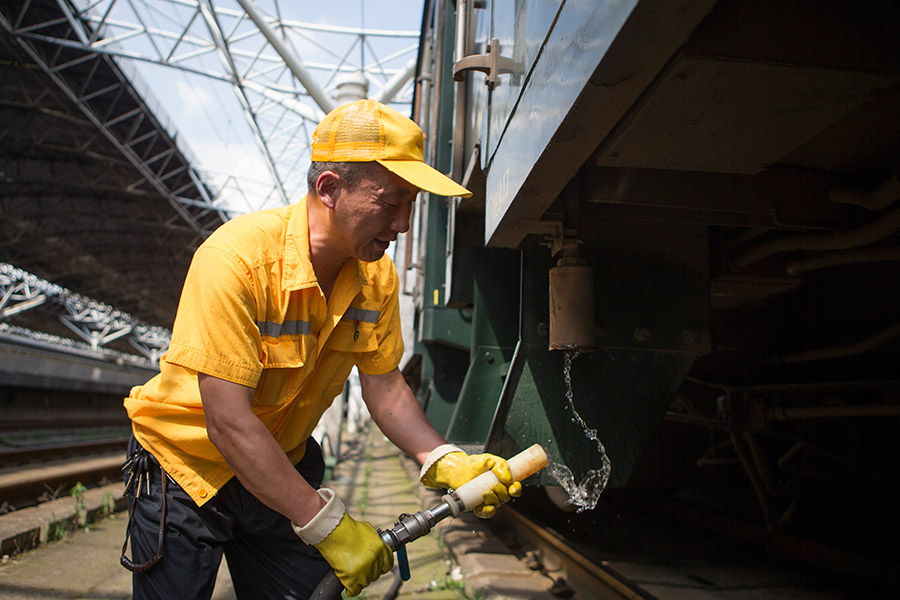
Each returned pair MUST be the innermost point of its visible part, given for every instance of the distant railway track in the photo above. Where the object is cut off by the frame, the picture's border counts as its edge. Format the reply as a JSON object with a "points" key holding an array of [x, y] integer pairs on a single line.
{"points": [[32, 474], [42, 422], [30, 455]]}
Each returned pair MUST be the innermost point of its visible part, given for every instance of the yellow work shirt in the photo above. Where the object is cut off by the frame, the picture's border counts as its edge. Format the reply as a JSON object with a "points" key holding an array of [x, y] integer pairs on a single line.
{"points": [[252, 312]]}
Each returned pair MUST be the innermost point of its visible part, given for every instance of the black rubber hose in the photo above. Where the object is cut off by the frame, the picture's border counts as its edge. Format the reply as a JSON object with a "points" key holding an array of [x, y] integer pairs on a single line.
{"points": [[329, 588]]}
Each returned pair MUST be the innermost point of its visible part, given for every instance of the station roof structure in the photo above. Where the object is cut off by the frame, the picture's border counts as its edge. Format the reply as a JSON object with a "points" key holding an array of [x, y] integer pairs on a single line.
{"points": [[100, 194]]}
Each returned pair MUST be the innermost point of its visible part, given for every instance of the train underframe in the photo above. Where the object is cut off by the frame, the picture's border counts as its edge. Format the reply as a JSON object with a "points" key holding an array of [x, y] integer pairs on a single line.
{"points": [[683, 235]]}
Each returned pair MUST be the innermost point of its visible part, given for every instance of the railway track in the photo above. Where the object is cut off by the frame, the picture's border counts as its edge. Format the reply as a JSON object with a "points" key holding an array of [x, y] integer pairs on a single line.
{"points": [[574, 572], [32, 474], [576, 575], [45, 423], [647, 552], [10, 457]]}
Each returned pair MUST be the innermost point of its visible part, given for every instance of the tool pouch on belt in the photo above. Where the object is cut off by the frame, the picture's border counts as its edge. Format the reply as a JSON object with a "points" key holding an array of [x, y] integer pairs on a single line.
{"points": [[137, 468]]}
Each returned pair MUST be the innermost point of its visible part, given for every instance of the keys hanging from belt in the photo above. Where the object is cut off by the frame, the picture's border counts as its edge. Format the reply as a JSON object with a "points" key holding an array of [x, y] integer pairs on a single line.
{"points": [[137, 466]]}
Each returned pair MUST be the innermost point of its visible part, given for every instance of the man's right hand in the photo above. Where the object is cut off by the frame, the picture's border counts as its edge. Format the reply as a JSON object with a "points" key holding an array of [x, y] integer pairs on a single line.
{"points": [[357, 554], [353, 548]]}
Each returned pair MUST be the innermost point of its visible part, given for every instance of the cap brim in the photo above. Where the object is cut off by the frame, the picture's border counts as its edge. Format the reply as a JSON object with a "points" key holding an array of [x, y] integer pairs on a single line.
{"points": [[425, 177]]}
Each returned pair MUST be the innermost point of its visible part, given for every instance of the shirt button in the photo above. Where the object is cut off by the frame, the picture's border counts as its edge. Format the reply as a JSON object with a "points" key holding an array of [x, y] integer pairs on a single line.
{"points": [[202, 493]]}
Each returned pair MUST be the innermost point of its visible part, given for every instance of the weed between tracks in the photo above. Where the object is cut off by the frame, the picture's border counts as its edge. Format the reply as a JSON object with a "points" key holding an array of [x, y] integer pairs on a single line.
{"points": [[454, 581], [59, 529]]}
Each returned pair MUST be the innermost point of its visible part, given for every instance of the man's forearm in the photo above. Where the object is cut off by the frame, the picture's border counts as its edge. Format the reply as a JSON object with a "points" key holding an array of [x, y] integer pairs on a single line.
{"points": [[399, 416], [253, 454]]}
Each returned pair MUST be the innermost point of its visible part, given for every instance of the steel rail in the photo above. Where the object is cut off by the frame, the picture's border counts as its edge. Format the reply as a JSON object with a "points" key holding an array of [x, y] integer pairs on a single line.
{"points": [[21, 487], [44, 452], [43, 422], [581, 574]]}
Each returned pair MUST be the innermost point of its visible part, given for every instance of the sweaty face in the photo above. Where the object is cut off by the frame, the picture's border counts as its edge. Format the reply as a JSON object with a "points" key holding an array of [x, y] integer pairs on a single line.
{"points": [[369, 216]]}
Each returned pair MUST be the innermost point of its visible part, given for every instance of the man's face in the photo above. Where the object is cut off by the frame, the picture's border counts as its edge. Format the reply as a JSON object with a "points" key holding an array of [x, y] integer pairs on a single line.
{"points": [[369, 216]]}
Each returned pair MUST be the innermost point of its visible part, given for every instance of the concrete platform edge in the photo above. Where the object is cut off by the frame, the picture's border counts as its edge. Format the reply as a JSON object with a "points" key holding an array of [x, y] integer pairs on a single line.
{"points": [[28, 528]]}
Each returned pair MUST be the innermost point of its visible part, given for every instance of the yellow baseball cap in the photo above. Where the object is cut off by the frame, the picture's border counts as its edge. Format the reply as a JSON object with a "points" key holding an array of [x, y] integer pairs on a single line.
{"points": [[367, 130]]}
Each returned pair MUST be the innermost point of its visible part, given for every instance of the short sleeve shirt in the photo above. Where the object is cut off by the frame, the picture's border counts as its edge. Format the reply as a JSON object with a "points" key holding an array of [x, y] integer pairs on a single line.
{"points": [[252, 312]]}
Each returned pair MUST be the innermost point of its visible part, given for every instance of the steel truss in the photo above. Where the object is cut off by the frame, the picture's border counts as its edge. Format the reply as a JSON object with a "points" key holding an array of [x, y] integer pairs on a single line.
{"points": [[107, 97], [96, 191], [252, 48], [95, 323]]}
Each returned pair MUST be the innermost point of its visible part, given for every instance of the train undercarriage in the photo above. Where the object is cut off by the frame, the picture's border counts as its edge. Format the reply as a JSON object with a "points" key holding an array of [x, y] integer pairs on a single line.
{"points": [[683, 235]]}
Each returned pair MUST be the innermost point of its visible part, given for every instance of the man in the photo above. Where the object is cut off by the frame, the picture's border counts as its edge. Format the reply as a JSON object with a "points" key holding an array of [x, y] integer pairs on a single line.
{"points": [[277, 307]]}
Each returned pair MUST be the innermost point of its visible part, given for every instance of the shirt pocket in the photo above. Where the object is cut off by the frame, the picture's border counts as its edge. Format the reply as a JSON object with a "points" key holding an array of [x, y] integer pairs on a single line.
{"points": [[285, 362], [347, 341], [351, 336], [282, 353], [287, 346]]}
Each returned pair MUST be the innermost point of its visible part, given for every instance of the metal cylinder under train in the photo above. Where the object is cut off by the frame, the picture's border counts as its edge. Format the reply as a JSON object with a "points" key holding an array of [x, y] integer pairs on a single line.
{"points": [[726, 175]]}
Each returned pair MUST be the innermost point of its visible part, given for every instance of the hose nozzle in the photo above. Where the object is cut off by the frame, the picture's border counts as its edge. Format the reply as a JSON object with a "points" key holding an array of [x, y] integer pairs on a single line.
{"points": [[522, 465]]}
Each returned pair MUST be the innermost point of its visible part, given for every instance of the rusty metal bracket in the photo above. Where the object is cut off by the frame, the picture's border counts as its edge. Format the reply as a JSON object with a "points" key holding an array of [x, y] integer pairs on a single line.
{"points": [[491, 64], [556, 237]]}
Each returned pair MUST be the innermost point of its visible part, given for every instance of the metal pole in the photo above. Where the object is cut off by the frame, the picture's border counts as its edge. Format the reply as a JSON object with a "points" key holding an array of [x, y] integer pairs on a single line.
{"points": [[396, 83], [291, 60], [218, 36]]}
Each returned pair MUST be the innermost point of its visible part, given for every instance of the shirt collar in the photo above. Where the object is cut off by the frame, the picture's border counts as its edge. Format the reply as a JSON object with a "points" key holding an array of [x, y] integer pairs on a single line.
{"points": [[298, 269]]}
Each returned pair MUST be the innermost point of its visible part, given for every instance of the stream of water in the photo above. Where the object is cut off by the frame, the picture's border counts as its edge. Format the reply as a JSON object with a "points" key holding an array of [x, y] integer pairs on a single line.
{"points": [[585, 494]]}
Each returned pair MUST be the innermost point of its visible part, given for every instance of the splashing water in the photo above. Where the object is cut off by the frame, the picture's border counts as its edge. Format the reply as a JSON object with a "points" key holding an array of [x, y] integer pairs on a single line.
{"points": [[586, 494]]}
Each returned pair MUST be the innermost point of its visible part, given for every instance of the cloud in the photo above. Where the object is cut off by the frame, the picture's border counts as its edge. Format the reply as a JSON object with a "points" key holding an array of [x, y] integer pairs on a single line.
{"points": [[253, 188], [192, 99], [240, 160]]}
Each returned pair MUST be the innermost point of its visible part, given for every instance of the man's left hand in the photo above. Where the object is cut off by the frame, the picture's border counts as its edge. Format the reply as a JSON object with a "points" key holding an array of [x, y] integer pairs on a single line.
{"points": [[455, 468]]}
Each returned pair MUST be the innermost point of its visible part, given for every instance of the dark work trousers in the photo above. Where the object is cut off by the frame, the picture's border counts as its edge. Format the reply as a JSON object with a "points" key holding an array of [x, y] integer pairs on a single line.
{"points": [[265, 557]]}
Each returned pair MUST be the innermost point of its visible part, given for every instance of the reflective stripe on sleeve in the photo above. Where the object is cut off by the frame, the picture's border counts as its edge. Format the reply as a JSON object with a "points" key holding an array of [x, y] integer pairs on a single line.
{"points": [[270, 329]]}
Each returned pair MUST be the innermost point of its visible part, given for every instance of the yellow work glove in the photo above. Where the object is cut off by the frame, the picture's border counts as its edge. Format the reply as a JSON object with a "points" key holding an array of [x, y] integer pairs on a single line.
{"points": [[449, 467], [353, 548]]}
